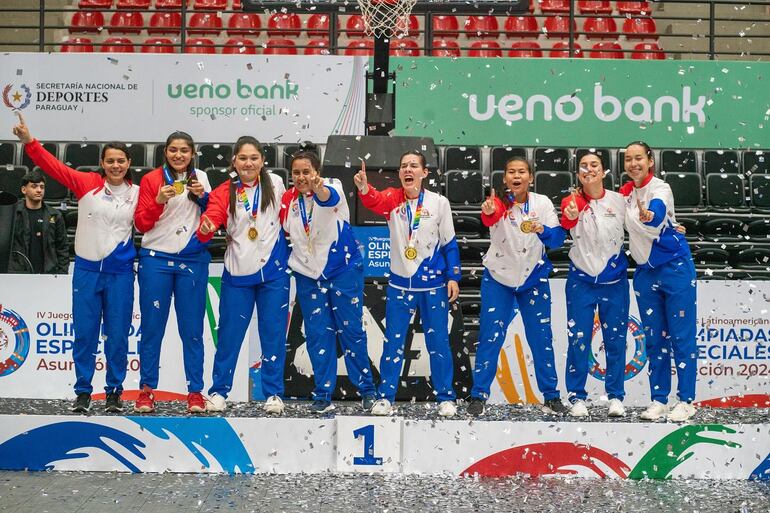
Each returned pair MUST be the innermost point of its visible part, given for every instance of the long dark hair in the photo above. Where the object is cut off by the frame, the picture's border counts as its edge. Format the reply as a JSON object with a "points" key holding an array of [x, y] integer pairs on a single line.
{"points": [[502, 192], [265, 184], [114, 145]]}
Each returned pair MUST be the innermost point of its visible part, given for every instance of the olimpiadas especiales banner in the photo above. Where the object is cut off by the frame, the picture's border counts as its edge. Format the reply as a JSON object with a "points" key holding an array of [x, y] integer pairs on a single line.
{"points": [[584, 102]]}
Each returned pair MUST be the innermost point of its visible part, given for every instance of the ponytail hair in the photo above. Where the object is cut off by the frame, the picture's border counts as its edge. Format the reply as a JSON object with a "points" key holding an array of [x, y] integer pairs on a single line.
{"points": [[265, 183]]}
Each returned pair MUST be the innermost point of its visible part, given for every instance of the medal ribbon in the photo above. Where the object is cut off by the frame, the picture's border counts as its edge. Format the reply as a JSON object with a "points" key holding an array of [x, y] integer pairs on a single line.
{"points": [[523, 206], [250, 209], [306, 215], [413, 222], [170, 179]]}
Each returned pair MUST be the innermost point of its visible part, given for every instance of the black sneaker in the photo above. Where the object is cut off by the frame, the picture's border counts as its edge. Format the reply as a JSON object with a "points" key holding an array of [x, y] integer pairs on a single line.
{"points": [[367, 402], [555, 406], [476, 406], [321, 406], [82, 403], [114, 404]]}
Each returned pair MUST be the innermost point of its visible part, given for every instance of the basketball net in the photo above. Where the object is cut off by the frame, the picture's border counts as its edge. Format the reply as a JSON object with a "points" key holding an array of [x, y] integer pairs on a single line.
{"points": [[386, 18]]}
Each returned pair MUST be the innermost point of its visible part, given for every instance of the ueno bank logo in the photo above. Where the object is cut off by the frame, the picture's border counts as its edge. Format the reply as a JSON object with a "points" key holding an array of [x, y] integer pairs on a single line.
{"points": [[17, 98], [14, 341]]}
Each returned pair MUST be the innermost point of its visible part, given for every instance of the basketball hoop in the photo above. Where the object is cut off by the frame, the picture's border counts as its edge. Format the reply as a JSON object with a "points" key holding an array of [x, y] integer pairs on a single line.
{"points": [[386, 18]]}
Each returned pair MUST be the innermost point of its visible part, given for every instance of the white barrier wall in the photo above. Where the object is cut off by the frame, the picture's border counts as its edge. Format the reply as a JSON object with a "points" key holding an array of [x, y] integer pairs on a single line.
{"points": [[216, 98], [389, 445]]}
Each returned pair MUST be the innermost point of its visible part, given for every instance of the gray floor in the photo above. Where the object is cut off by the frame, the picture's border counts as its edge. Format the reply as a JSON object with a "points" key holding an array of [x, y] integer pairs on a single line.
{"points": [[64, 492]]}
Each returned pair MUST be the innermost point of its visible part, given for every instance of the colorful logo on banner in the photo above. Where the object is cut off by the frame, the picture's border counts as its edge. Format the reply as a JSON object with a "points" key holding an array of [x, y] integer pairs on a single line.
{"points": [[637, 361], [563, 458], [17, 98], [14, 341]]}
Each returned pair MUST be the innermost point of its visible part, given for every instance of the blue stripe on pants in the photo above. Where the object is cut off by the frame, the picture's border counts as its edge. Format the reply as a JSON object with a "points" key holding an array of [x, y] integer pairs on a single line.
{"points": [[97, 296], [499, 306], [667, 299], [330, 308], [434, 312], [159, 278], [583, 299], [236, 304]]}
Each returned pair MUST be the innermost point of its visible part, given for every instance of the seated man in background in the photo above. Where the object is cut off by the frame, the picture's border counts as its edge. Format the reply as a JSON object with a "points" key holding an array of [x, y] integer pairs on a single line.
{"points": [[40, 237]]}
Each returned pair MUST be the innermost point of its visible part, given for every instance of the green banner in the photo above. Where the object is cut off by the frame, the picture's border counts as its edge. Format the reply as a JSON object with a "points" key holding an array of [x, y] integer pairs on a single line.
{"points": [[583, 102]]}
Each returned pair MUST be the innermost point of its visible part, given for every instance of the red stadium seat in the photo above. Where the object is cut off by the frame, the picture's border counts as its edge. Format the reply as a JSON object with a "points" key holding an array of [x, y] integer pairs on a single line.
{"points": [[205, 23], [561, 51], [404, 48], [78, 45], [594, 7], [360, 47], [133, 4], [481, 26], [638, 8], [237, 5], [284, 25], [317, 47], [446, 26], [640, 28], [606, 50], [485, 49], [170, 4], [648, 51], [280, 47], [558, 27], [318, 25], [200, 45], [127, 22], [525, 49], [86, 21], [210, 5], [411, 24], [239, 46], [94, 4], [549, 6], [445, 48], [244, 23], [165, 23], [521, 27], [117, 45], [158, 45], [600, 28], [355, 26]]}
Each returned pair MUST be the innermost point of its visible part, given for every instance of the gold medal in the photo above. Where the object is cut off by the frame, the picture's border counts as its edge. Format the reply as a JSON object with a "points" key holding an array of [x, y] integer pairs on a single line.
{"points": [[179, 187], [253, 233], [527, 226], [410, 253]]}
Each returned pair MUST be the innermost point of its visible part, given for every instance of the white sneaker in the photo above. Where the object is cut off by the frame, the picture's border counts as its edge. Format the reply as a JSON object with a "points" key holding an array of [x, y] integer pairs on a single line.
{"points": [[579, 409], [616, 408], [382, 407], [274, 405], [447, 409], [654, 411], [216, 402], [681, 412]]}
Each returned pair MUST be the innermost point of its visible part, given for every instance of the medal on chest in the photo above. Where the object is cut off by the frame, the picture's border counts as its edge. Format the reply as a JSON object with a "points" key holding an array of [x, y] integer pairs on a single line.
{"points": [[251, 210], [413, 223], [526, 225], [306, 214]]}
